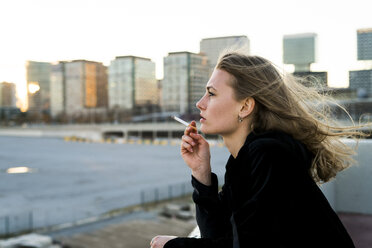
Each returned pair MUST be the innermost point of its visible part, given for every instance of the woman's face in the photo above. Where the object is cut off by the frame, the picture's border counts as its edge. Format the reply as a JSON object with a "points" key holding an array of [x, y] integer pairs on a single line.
{"points": [[218, 108]]}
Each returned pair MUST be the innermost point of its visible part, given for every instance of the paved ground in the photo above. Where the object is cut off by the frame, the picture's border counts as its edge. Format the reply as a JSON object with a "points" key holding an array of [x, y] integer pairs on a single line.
{"points": [[137, 233], [131, 234], [359, 227], [80, 180]]}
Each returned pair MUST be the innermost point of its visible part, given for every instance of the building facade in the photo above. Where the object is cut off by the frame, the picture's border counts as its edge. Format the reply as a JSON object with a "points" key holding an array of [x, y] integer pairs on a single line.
{"points": [[340, 94], [78, 86], [300, 50], [132, 83], [38, 86], [8, 96], [57, 89], [212, 47], [364, 42], [185, 77], [361, 81]]}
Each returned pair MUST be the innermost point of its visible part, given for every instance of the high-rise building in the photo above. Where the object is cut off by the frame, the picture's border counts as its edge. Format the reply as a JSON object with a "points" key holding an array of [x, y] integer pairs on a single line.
{"points": [[102, 85], [361, 81], [132, 83], [364, 40], [185, 77], [300, 50], [212, 47], [58, 89], [38, 86], [78, 86], [8, 95]]}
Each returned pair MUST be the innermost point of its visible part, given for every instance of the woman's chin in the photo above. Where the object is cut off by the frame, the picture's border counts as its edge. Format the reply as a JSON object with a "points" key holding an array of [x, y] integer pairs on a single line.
{"points": [[205, 130]]}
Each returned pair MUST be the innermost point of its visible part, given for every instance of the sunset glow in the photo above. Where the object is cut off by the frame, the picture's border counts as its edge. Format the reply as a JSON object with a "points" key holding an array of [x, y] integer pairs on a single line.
{"points": [[33, 88], [167, 26]]}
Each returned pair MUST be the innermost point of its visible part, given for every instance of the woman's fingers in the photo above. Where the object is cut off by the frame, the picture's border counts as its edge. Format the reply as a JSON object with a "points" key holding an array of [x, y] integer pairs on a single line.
{"points": [[188, 139], [191, 128], [160, 240], [187, 146]]}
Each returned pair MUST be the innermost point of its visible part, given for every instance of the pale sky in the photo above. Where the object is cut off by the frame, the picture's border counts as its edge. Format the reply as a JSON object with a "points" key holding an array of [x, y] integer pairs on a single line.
{"points": [[100, 30]]}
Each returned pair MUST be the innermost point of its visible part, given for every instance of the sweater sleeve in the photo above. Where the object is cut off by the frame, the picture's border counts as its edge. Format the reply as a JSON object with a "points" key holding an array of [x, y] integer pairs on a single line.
{"points": [[213, 218], [199, 243], [212, 213]]}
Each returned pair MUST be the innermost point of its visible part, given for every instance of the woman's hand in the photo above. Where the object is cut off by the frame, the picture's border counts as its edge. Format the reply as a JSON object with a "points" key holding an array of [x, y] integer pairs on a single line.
{"points": [[159, 241], [195, 152]]}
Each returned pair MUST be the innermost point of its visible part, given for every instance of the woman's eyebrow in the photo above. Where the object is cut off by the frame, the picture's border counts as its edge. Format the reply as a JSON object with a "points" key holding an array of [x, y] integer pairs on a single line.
{"points": [[211, 87]]}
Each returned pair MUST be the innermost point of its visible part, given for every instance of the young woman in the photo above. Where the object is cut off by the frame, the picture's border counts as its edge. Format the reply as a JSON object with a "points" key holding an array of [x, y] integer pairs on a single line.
{"points": [[281, 146]]}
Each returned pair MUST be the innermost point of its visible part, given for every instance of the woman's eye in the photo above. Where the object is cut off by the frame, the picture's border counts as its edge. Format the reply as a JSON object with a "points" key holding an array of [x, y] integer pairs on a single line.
{"points": [[210, 93]]}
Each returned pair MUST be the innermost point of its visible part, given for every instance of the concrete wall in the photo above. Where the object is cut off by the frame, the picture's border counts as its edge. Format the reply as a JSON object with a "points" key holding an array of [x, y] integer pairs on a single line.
{"points": [[351, 191], [354, 186], [329, 191]]}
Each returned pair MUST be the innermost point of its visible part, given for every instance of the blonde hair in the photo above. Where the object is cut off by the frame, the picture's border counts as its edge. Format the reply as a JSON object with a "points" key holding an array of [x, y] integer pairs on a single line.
{"points": [[284, 104]]}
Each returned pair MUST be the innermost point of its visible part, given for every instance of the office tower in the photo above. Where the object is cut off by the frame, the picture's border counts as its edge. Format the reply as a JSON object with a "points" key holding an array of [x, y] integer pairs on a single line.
{"points": [[300, 50], [212, 47], [8, 99], [364, 41], [159, 83], [78, 86], [102, 85], [38, 86], [361, 81], [8, 95], [185, 77], [57, 89], [132, 83]]}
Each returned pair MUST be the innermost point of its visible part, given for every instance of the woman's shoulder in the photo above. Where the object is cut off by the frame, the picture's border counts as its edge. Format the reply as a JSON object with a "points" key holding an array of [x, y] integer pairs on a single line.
{"points": [[269, 138], [272, 142]]}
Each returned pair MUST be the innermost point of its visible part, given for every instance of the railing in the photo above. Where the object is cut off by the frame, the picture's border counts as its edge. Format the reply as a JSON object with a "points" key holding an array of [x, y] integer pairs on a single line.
{"points": [[22, 222]]}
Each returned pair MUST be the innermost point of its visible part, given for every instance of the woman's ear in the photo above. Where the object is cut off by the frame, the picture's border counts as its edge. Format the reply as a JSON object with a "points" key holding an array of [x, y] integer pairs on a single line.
{"points": [[247, 107]]}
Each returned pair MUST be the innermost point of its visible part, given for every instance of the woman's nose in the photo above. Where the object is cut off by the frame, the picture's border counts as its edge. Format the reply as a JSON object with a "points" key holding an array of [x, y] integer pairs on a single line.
{"points": [[199, 103]]}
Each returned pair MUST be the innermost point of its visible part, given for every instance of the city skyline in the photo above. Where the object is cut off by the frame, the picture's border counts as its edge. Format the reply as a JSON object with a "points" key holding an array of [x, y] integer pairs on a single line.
{"points": [[102, 30]]}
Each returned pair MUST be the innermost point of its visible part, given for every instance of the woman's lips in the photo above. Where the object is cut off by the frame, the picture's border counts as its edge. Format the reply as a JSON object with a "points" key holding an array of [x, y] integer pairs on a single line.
{"points": [[202, 119]]}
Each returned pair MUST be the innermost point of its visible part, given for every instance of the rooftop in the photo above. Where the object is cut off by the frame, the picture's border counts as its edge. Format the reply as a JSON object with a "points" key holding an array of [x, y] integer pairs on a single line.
{"points": [[364, 30], [131, 56], [225, 37]]}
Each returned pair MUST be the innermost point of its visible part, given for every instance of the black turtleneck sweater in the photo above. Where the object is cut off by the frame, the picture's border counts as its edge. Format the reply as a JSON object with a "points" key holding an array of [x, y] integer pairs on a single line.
{"points": [[268, 200]]}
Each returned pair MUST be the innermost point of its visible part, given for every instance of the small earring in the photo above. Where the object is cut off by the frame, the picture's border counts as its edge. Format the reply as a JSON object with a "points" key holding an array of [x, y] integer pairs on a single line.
{"points": [[240, 119]]}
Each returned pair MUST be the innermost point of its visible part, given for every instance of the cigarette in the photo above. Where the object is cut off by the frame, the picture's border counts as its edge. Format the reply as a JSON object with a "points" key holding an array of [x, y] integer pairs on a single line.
{"points": [[183, 122]]}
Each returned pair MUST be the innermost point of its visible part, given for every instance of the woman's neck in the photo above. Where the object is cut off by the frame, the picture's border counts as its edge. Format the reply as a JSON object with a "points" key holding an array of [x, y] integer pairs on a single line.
{"points": [[235, 141]]}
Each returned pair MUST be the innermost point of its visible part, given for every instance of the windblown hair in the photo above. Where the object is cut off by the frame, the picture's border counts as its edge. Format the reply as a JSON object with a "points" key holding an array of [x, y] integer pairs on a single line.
{"points": [[282, 103]]}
